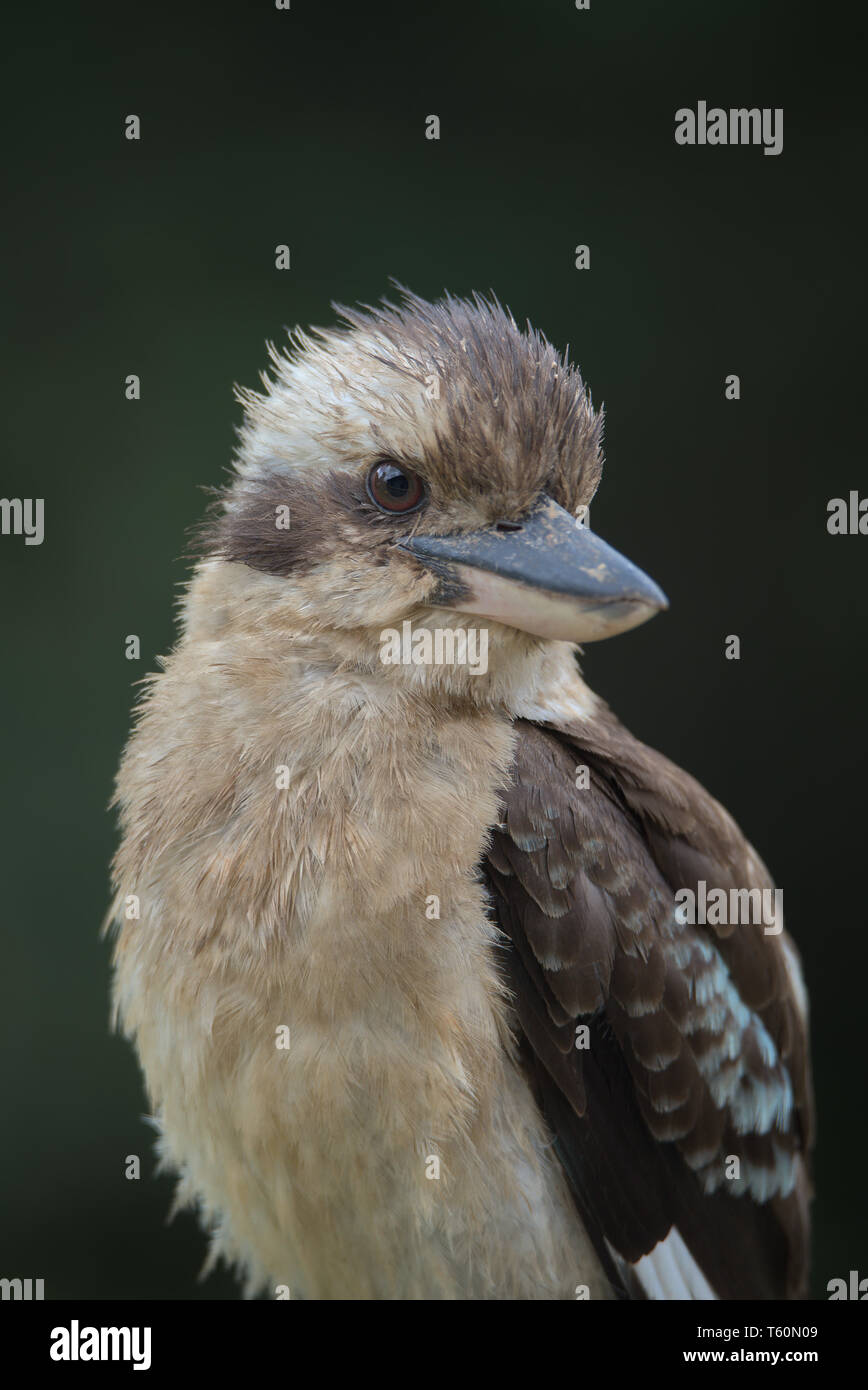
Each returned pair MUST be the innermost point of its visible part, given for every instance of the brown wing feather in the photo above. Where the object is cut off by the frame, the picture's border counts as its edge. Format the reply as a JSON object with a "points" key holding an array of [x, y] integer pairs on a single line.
{"points": [[697, 1053]]}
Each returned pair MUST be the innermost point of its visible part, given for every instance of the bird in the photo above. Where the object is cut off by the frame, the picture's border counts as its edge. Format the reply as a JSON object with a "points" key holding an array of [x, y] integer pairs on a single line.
{"points": [[400, 942]]}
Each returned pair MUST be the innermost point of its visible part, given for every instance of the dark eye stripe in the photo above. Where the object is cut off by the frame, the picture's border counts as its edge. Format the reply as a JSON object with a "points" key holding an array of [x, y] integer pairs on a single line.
{"points": [[395, 489]]}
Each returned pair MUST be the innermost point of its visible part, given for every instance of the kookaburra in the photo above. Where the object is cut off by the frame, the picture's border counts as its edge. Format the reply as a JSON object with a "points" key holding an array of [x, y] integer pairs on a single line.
{"points": [[399, 935]]}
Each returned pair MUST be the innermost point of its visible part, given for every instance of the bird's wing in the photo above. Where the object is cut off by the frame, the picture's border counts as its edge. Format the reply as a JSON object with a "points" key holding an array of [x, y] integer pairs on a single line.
{"points": [[670, 1059]]}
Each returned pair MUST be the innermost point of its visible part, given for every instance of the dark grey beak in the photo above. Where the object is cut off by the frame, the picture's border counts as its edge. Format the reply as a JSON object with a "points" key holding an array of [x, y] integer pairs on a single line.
{"points": [[545, 574]]}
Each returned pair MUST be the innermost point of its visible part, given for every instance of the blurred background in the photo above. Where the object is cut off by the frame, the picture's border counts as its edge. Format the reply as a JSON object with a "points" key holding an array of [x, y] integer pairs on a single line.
{"points": [[307, 127]]}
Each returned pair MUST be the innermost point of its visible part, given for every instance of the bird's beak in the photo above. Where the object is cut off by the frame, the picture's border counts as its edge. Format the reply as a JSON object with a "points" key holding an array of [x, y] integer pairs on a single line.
{"points": [[546, 575]]}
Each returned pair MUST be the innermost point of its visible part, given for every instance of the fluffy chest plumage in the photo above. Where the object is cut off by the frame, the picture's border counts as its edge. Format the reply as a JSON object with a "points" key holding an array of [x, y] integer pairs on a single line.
{"points": [[316, 1002]]}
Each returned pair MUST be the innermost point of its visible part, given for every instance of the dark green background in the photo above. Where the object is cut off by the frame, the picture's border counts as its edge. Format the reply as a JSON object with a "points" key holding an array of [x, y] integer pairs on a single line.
{"points": [[157, 258]]}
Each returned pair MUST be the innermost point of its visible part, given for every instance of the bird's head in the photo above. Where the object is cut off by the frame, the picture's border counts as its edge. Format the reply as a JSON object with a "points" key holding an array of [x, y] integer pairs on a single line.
{"points": [[422, 463]]}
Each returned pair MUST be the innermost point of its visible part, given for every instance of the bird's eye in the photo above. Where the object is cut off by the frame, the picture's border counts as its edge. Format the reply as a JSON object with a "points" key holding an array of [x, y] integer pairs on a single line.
{"points": [[395, 489]]}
